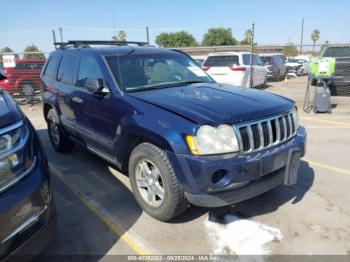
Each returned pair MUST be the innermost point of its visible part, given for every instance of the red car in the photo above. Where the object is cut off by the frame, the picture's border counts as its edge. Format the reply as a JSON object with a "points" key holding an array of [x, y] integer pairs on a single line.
{"points": [[24, 78]]}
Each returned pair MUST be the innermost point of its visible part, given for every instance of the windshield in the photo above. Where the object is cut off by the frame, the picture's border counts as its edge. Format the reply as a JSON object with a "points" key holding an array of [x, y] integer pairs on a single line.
{"points": [[337, 52], [137, 72]]}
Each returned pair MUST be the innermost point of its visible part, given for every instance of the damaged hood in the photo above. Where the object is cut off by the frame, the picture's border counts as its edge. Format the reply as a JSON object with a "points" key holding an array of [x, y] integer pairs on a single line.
{"points": [[215, 104]]}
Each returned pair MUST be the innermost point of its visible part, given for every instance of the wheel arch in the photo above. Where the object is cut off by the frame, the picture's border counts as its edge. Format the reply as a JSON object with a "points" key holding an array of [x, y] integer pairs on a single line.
{"points": [[129, 140], [46, 108]]}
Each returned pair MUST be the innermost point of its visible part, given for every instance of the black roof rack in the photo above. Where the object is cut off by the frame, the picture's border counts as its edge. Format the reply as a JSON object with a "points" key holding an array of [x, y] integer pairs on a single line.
{"points": [[88, 43]]}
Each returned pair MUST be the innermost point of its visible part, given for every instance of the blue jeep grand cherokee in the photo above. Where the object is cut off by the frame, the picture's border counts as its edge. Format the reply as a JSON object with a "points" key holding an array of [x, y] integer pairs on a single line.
{"points": [[27, 209], [156, 115]]}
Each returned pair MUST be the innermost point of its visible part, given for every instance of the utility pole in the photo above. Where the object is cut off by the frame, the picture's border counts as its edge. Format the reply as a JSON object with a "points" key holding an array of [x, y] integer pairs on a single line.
{"points": [[251, 74], [302, 36], [113, 21], [147, 34], [61, 35]]}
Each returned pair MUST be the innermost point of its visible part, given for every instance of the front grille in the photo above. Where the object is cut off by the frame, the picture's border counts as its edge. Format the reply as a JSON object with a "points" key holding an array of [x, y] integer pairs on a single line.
{"points": [[264, 133], [342, 69]]}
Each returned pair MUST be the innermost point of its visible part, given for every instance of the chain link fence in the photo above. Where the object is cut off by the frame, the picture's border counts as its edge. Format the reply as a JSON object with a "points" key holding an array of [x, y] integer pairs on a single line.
{"points": [[255, 70], [22, 71], [268, 66]]}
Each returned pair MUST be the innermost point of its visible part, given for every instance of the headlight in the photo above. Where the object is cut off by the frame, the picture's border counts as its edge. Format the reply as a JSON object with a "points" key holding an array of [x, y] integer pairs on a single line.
{"points": [[10, 139], [210, 140], [15, 154], [296, 118]]}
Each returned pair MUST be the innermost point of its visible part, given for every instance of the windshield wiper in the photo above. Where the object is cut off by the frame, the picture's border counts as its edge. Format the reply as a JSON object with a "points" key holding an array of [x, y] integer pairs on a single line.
{"points": [[169, 85], [139, 89], [191, 82]]}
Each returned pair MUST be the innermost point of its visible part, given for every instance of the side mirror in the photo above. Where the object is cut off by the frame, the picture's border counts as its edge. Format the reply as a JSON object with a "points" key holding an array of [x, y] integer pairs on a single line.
{"points": [[2, 75], [95, 86]]}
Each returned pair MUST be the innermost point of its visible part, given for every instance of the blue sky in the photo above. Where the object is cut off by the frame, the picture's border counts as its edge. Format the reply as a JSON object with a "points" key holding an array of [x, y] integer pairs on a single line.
{"points": [[277, 22]]}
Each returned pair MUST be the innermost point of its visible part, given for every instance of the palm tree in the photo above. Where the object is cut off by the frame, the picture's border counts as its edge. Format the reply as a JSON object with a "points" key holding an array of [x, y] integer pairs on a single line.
{"points": [[315, 36]]}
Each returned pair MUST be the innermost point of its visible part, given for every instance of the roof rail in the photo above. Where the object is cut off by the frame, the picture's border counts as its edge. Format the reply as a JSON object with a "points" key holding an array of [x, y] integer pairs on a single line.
{"points": [[88, 43]]}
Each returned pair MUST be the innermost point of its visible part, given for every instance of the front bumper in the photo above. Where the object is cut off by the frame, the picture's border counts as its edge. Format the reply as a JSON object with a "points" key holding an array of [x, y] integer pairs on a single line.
{"points": [[37, 241], [340, 86], [27, 212], [246, 175]]}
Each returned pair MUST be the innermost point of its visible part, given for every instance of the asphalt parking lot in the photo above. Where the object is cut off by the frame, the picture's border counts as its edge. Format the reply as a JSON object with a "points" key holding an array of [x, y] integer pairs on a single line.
{"points": [[97, 214]]}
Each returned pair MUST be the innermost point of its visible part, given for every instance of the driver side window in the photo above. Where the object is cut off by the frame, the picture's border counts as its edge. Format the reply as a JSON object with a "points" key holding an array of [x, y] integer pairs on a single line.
{"points": [[88, 68]]}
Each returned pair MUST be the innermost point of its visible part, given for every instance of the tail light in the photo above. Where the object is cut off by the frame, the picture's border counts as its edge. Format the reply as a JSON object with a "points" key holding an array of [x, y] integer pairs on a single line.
{"points": [[238, 68], [205, 68]]}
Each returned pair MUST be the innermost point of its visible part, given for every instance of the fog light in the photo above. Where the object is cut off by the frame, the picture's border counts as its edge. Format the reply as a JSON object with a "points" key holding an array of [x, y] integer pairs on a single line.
{"points": [[220, 178]]}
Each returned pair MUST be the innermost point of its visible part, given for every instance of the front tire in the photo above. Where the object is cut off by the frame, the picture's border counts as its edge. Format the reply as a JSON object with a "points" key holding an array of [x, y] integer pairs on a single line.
{"points": [[154, 183], [59, 140]]}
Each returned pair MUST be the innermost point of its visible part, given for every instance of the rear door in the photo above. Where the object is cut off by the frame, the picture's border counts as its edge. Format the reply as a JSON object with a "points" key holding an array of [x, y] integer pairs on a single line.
{"points": [[281, 66], [65, 88], [225, 69]]}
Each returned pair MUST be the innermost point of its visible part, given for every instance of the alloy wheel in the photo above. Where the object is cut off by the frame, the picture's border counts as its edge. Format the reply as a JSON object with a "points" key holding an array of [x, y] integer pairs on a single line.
{"points": [[149, 183], [54, 131], [27, 89]]}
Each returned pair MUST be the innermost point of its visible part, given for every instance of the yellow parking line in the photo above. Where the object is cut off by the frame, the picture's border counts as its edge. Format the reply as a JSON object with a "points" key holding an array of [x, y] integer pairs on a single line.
{"points": [[334, 117], [326, 121], [332, 168], [120, 232], [327, 127]]}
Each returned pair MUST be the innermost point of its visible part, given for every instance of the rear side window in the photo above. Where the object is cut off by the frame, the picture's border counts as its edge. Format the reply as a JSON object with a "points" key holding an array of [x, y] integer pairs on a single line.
{"points": [[267, 60], [65, 72], [51, 68], [221, 61], [258, 60], [277, 60], [88, 68], [255, 60]]}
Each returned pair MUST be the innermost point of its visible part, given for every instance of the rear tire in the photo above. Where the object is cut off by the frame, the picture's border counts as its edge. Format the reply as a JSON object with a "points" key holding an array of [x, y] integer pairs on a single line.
{"points": [[59, 139], [27, 89], [147, 160]]}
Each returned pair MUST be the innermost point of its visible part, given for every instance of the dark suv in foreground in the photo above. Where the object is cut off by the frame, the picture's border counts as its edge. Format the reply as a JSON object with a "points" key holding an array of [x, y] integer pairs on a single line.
{"points": [[27, 209], [181, 137]]}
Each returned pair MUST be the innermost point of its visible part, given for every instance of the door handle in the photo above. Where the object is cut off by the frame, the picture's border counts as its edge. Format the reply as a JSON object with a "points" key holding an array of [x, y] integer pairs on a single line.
{"points": [[77, 100]]}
